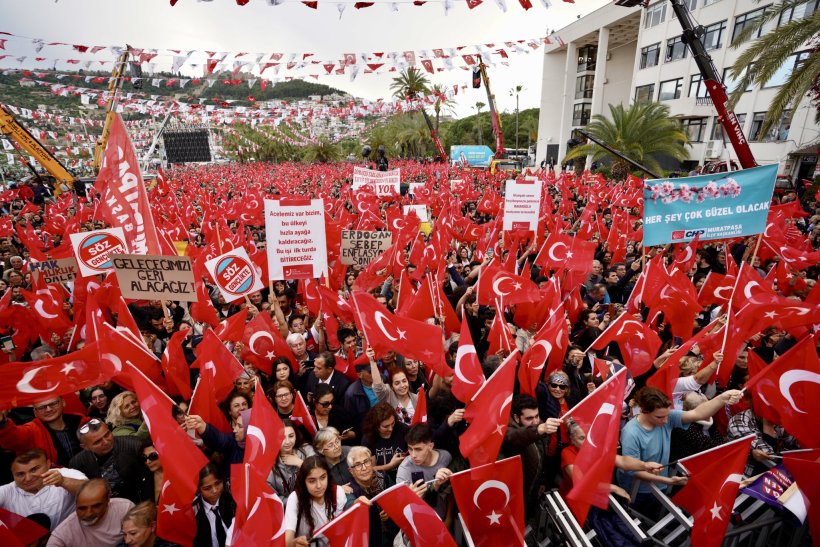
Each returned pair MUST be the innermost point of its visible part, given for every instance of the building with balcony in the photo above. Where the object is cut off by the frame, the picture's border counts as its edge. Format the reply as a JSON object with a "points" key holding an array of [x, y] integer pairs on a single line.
{"points": [[637, 55]]}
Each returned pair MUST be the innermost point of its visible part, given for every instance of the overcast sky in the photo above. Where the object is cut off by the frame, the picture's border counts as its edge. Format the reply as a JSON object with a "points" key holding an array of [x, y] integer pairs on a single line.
{"points": [[221, 25]]}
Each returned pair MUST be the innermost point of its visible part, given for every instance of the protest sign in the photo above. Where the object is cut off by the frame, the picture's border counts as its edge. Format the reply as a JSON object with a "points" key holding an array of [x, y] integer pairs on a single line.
{"points": [[420, 210], [383, 183], [63, 270], [717, 206], [94, 249], [362, 246], [234, 274], [296, 241], [776, 487], [413, 186], [522, 205], [154, 277]]}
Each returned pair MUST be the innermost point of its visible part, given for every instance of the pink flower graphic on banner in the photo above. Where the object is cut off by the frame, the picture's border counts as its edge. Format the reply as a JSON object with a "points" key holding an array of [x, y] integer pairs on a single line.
{"points": [[667, 193]]}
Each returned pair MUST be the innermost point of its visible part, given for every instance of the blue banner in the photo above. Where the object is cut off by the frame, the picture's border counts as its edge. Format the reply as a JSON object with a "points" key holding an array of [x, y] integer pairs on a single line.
{"points": [[771, 485], [717, 206]]}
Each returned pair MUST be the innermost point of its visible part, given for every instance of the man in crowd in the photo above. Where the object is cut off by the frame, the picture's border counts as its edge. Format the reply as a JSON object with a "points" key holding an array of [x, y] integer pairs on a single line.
{"points": [[97, 520], [360, 397], [324, 372], [51, 430], [116, 459], [39, 489], [425, 469]]}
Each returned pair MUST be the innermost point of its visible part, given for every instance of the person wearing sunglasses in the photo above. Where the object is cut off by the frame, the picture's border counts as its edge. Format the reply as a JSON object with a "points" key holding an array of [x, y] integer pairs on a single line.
{"points": [[115, 459], [327, 413], [151, 479], [51, 430], [555, 398]]}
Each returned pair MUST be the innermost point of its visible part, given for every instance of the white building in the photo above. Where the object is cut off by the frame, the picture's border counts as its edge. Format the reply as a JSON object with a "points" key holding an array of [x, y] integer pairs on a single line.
{"points": [[618, 55]]}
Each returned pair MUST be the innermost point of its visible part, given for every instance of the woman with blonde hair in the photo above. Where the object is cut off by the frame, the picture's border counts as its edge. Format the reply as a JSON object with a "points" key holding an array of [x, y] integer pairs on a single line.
{"points": [[139, 527], [124, 416]]}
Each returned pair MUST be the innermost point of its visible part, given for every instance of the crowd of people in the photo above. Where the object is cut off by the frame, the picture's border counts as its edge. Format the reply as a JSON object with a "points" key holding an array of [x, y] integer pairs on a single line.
{"points": [[85, 467]]}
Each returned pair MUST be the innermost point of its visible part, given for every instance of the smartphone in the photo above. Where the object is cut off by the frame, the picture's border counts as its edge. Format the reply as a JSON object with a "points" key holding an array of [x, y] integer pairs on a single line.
{"points": [[416, 476], [610, 309], [490, 253], [7, 342], [678, 341]]}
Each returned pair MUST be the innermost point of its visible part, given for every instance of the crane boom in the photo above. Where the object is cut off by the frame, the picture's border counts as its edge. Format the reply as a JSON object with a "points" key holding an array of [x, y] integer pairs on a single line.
{"points": [[500, 151], [19, 135], [114, 85], [434, 136]]}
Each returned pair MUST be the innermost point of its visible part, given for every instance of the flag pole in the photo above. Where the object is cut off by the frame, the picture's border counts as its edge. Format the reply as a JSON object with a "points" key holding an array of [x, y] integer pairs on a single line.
{"points": [[605, 382]]}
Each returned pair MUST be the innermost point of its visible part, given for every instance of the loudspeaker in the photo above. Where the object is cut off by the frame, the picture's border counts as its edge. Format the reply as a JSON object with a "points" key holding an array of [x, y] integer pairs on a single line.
{"points": [[187, 145]]}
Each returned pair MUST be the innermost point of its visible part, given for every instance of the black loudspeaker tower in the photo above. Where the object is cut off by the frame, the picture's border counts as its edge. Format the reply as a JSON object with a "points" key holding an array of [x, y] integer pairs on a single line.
{"points": [[187, 145]]}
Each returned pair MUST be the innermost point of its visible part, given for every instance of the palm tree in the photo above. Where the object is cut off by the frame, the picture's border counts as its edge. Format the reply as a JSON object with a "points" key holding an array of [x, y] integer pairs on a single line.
{"points": [[410, 84], [443, 102], [641, 132], [514, 92], [322, 152], [769, 54], [478, 106]]}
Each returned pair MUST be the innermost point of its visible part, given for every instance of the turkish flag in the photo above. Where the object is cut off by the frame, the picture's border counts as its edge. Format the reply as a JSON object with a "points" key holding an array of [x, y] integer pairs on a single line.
{"points": [[499, 337], [599, 415], [639, 344], [264, 435], [181, 461], [203, 310], [714, 478], [488, 414], [385, 331], [468, 376], [491, 500], [49, 313], [19, 529], [212, 353], [550, 345], [716, 289], [351, 527], [804, 465], [301, 414], [791, 388], [420, 417], [494, 283], [260, 516], [123, 202], [417, 520], [205, 405], [232, 328], [667, 374], [175, 366], [117, 347], [262, 343], [686, 257], [23, 384]]}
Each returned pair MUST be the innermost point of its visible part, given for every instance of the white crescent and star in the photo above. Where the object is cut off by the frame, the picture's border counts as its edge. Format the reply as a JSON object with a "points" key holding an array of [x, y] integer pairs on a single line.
{"points": [[497, 285], [495, 518], [256, 336], [463, 351], [787, 379], [547, 348], [380, 318], [254, 431], [747, 290], [24, 385], [551, 251], [38, 307], [607, 409], [408, 514]]}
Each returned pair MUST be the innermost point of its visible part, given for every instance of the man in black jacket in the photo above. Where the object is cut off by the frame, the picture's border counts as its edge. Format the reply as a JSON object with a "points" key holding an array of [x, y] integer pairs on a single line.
{"points": [[324, 372], [116, 459]]}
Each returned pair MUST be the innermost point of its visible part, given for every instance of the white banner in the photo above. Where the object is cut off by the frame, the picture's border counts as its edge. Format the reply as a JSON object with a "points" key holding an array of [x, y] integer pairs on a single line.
{"points": [[94, 249], [383, 183], [420, 210], [296, 241], [522, 205]]}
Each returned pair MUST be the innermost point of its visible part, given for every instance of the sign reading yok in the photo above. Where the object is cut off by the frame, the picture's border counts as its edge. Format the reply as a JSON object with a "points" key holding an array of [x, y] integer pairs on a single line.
{"points": [[717, 206], [234, 274]]}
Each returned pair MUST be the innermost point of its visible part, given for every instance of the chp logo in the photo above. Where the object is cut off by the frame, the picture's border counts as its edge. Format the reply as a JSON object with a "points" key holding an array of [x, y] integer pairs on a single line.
{"points": [[686, 234], [95, 249], [235, 275]]}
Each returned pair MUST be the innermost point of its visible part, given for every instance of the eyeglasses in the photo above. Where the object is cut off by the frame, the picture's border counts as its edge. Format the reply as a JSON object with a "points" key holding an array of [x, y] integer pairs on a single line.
{"points": [[361, 466], [332, 444], [152, 457], [325, 404], [47, 406], [558, 386], [91, 425], [284, 395]]}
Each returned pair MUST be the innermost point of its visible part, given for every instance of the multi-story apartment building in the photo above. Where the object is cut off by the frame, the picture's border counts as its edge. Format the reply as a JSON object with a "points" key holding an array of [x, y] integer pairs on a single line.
{"points": [[619, 55]]}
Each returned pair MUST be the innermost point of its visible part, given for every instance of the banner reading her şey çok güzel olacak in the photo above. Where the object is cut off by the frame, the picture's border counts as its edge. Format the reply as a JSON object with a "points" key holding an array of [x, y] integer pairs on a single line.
{"points": [[716, 206]]}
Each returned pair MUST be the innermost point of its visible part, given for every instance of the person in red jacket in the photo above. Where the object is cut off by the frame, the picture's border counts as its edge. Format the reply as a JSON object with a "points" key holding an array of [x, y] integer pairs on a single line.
{"points": [[51, 430]]}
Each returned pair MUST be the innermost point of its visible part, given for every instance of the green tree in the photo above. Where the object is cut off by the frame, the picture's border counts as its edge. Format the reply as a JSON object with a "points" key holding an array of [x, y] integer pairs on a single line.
{"points": [[770, 52], [410, 84], [322, 152], [478, 106], [642, 132], [443, 102]]}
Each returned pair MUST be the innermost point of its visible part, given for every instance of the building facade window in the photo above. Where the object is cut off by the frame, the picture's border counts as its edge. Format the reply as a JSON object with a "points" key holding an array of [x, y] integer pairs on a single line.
{"points": [[650, 55], [792, 62], [670, 89], [675, 49], [732, 83], [779, 131], [583, 86], [717, 129], [655, 14], [695, 129], [713, 35], [798, 12], [746, 20], [697, 87], [581, 113], [709, 2], [645, 93], [587, 56]]}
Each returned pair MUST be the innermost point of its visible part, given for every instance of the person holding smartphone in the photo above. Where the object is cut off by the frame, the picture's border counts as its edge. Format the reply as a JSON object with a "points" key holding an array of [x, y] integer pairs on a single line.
{"points": [[425, 469]]}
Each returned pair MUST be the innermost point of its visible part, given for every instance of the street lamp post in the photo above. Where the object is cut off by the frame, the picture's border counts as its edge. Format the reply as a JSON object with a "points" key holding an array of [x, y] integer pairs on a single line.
{"points": [[514, 92]]}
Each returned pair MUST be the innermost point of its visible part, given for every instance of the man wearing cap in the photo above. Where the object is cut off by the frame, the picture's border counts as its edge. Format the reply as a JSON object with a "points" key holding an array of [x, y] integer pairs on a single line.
{"points": [[360, 397], [39, 489], [116, 459], [51, 430]]}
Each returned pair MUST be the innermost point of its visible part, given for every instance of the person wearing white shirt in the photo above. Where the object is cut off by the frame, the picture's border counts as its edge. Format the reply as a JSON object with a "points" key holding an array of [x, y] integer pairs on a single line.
{"points": [[39, 489], [315, 501]]}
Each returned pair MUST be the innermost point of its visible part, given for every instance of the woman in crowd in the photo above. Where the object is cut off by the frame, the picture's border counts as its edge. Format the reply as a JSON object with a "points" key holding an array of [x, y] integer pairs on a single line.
{"points": [[588, 327], [152, 480], [99, 403], [230, 445], [553, 401], [214, 508], [398, 395], [416, 375], [384, 435], [293, 453], [139, 527], [326, 413], [328, 443], [124, 416], [283, 395], [235, 404], [367, 482], [315, 501], [282, 370], [244, 385]]}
